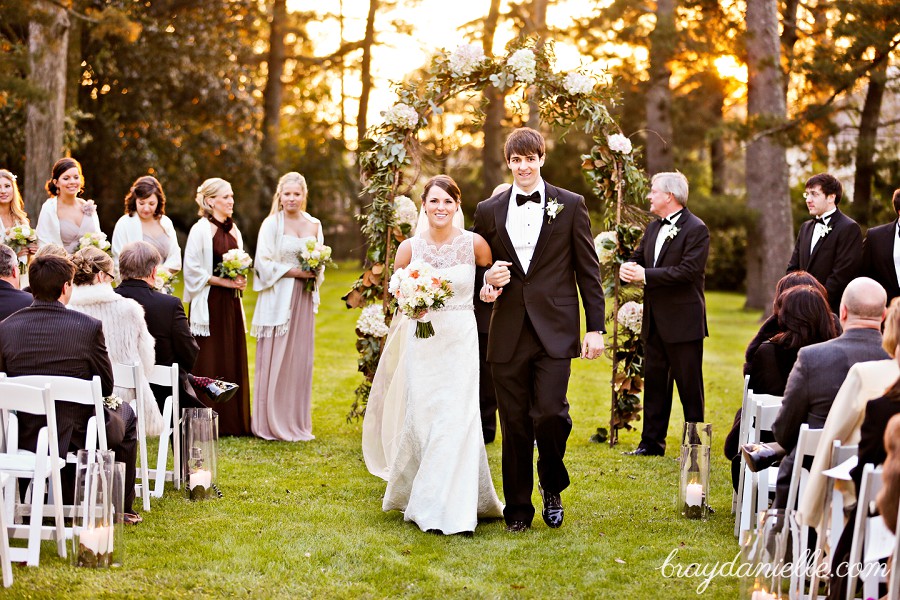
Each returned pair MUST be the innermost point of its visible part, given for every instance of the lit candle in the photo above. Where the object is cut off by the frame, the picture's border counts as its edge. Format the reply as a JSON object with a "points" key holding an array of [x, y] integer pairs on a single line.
{"points": [[201, 477], [762, 595], [98, 540], [693, 496]]}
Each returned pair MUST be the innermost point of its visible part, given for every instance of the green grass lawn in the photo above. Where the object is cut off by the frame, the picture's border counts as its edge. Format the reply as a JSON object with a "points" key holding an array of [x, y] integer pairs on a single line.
{"points": [[305, 519]]}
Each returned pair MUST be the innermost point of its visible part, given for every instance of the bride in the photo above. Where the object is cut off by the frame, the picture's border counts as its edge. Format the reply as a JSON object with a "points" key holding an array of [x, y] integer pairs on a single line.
{"points": [[422, 429]]}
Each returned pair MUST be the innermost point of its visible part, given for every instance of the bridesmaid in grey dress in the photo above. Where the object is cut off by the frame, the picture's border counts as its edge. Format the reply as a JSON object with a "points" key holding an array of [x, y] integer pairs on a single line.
{"points": [[284, 322], [65, 216], [145, 220]]}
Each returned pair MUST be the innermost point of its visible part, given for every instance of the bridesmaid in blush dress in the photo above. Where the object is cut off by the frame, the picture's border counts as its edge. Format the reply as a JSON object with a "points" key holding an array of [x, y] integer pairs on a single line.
{"points": [[283, 321], [216, 315], [65, 216]]}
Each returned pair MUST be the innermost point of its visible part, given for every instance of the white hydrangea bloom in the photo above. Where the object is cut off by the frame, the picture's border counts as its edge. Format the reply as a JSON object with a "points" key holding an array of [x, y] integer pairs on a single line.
{"points": [[630, 316], [402, 115], [577, 84], [619, 143], [605, 243], [371, 321], [523, 65], [466, 59], [405, 211]]}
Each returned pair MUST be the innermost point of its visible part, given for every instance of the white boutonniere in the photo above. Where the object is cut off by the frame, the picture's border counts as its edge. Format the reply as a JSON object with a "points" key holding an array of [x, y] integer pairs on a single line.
{"points": [[552, 209], [822, 230], [672, 233], [112, 402]]}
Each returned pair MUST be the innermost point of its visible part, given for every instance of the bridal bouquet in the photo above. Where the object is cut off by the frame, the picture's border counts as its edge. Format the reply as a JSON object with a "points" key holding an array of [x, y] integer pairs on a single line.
{"points": [[165, 281], [235, 263], [19, 237], [314, 256], [95, 239], [419, 289]]}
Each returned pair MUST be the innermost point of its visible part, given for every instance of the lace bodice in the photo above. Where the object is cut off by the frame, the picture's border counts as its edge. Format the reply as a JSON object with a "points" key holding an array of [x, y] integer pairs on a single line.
{"points": [[455, 261], [290, 247]]}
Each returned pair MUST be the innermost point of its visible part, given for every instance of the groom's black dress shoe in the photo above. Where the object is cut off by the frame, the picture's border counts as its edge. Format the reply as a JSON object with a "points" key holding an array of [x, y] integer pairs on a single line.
{"points": [[215, 390], [644, 451], [517, 526], [762, 456], [553, 509]]}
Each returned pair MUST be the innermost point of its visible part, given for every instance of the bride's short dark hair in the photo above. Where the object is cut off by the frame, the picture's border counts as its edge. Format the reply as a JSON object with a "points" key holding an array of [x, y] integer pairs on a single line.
{"points": [[446, 183]]}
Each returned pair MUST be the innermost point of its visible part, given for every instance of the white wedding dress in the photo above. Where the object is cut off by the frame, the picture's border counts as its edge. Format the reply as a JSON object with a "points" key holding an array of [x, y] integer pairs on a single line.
{"points": [[422, 429]]}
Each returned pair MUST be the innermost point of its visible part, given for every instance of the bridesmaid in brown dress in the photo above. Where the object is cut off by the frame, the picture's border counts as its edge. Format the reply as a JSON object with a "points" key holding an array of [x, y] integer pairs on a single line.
{"points": [[216, 314]]}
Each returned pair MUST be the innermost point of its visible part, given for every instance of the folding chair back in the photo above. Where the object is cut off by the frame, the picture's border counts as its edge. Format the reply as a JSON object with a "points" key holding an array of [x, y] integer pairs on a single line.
{"points": [[871, 485], [167, 376], [130, 377], [807, 444], [761, 413]]}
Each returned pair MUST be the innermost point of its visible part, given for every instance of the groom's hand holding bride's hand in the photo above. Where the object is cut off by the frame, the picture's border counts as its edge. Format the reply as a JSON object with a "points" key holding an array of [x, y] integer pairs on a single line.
{"points": [[592, 346], [489, 293], [498, 275]]}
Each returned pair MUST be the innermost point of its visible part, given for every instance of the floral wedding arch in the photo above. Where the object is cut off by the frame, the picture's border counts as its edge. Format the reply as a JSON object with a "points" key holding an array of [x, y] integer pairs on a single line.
{"points": [[566, 100]]}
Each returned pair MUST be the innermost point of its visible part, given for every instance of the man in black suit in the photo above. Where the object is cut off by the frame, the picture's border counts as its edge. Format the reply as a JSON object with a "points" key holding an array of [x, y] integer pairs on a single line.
{"points": [[48, 339], [829, 246], [540, 238], [881, 253], [165, 318], [11, 297], [671, 262]]}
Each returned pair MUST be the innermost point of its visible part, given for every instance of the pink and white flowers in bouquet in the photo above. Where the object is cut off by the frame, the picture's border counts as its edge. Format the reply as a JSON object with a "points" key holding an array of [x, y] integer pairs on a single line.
{"points": [[97, 239], [631, 316], [165, 281], [235, 263], [19, 237], [419, 289], [314, 256]]}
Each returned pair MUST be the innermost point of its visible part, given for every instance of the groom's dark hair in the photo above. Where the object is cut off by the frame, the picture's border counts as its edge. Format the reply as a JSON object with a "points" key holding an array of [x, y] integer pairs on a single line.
{"points": [[524, 141], [48, 275]]}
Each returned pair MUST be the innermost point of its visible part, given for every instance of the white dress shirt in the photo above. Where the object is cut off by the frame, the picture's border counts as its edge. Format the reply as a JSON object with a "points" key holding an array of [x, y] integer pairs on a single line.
{"points": [[667, 227], [897, 250], [820, 230], [523, 223]]}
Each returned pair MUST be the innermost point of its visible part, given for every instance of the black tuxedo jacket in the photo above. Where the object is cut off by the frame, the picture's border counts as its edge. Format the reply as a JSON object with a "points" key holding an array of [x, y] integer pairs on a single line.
{"points": [[878, 258], [12, 299], [48, 339], [674, 301], [564, 263], [871, 435], [168, 325], [836, 259]]}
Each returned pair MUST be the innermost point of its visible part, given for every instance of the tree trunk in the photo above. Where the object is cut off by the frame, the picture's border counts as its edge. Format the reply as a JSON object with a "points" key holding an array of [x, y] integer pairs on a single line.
{"points": [[492, 162], [659, 96], [273, 96], [865, 147], [366, 71], [717, 161], [48, 41], [537, 24], [770, 240]]}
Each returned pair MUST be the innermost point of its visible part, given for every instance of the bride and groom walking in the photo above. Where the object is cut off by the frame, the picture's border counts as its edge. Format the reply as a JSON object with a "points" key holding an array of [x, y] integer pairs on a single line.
{"points": [[533, 252]]}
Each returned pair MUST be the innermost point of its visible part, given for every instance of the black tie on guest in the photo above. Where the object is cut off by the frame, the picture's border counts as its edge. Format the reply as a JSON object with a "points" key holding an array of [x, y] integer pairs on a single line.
{"points": [[670, 220], [532, 197], [822, 220]]}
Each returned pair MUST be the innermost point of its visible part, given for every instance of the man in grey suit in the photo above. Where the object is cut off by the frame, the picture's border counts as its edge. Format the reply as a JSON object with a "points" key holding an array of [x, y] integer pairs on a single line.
{"points": [[820, 370]]}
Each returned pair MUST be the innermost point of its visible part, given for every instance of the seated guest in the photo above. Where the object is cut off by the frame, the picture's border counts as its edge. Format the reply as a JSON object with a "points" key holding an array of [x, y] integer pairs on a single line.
{"points": [[804, 318], [11, 297], [165, 318], [864, 381], [820, 371], [127, 339], [889, 496], [47, 339]]}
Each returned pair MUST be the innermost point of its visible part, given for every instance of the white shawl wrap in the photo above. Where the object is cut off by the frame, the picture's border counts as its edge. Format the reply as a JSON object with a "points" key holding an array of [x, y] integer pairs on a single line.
{"points": [[198, 268], [128, 229], [273, 304], [48, 224]]}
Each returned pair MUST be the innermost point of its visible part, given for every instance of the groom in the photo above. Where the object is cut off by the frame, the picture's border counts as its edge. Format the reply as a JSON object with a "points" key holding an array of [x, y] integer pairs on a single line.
{"points": [[540, 237]]}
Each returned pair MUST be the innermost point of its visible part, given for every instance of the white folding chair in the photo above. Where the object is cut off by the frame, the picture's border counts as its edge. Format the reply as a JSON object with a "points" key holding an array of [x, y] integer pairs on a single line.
{"points": [[5, 560], [755, 487], [894, 587], [167, 376], [807, 444], [39, 466], [130, 377], [832, 513], [863, 528], [736, 495]]}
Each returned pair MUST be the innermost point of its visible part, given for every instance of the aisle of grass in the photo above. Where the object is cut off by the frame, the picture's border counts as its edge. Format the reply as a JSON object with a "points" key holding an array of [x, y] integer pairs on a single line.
{"points": [[305, 519]]}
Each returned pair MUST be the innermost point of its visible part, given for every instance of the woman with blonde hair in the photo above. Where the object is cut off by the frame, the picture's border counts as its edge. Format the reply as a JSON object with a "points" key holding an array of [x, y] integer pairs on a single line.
{"points": [[283, 321], [12, 211], [66, 217], [145, 220], [216, 313]]}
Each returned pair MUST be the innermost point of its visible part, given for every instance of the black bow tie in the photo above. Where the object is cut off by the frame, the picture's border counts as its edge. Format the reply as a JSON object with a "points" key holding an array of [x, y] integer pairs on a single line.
{"points": [[532, 197], [822, 220], [670, 220]]}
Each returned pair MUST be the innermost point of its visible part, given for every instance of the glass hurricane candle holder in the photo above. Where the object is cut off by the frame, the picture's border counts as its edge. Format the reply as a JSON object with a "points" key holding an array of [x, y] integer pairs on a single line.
{"points": [[96, 543], [200, 436]]}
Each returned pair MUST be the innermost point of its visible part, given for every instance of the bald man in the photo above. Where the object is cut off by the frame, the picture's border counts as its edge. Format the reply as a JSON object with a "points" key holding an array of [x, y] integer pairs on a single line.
{"points": [[820, 370]]}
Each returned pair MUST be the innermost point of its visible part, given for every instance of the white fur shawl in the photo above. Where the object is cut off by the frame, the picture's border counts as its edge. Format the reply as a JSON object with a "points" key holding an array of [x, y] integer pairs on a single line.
{"points": [[127, 339]]}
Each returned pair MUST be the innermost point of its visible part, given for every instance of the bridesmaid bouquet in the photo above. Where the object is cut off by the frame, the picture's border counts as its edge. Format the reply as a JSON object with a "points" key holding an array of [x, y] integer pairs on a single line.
{"points": [[314, 256], [418, 289], [165, 281], [19, 237], [96, 239], [235, 263]]}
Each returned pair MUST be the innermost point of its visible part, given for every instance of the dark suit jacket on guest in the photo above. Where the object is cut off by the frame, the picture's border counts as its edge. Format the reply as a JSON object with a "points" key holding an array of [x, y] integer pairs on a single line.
{"points": [[48, 339], [878, 258], [836, 259], [770, 367], [12, 299], [871, 435], [564, 256], [674, 303], [169, 326]]}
